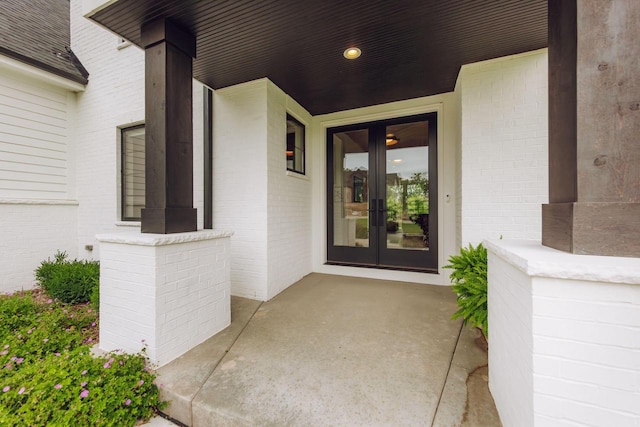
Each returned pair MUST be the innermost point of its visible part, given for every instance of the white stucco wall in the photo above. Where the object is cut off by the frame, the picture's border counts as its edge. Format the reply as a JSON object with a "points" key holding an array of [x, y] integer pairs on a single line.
{"points": [[37, 181], [114, 99], [504, 147]]}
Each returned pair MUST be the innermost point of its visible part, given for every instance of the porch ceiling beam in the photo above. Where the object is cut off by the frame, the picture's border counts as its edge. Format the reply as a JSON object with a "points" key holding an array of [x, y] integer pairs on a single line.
{"points": [[594, 123], [169, 52]]}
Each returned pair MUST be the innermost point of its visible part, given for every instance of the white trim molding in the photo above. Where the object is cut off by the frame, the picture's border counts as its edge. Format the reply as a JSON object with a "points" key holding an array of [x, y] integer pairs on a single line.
{"points": [[41, 75]]}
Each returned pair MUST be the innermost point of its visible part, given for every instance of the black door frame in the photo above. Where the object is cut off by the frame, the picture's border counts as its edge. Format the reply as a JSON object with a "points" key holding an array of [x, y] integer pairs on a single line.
{"points": [[377, 255]]}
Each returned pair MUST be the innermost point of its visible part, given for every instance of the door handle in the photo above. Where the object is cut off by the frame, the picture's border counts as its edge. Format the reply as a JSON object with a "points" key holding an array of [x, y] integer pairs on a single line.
{"points": [[382, 217], [372, 211]]}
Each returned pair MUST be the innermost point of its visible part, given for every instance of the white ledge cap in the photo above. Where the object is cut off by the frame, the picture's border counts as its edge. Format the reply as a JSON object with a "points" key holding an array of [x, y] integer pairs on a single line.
{"points": [[149, 239], [530, 257]]}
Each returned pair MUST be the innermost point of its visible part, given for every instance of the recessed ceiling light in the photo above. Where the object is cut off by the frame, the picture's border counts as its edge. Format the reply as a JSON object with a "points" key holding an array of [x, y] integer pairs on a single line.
{"points": [[352, 53]]}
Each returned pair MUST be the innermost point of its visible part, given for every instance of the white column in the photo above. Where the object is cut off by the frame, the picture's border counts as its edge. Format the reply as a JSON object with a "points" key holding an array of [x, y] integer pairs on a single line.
{"points": [[169, 292]]}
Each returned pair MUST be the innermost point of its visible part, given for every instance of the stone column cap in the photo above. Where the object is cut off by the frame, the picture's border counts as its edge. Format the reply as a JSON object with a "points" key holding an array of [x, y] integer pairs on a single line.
{"points": [[533, 259], [149, 239]]}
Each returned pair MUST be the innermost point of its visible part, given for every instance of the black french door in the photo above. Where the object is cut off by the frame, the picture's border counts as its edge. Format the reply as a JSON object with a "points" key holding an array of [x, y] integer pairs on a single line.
{"points": [[382, 194]]}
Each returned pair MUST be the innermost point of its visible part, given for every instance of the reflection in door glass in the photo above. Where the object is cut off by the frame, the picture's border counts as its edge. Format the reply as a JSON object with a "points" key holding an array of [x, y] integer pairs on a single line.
{"points": [[351, 188], [407, 184]]}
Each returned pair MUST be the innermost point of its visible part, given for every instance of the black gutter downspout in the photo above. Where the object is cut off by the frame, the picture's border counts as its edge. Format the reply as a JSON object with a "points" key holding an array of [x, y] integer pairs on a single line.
{"points": [[208, 147]]}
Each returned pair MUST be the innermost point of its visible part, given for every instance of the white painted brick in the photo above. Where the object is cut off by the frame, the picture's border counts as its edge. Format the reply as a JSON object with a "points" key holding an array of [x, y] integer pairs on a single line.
{"points": [[590, 332], [269, 212], [620, 379], [586, 352], [114, 98], [504, 147], [31, 234], [585, 349], [159, 305], [542, 420]]}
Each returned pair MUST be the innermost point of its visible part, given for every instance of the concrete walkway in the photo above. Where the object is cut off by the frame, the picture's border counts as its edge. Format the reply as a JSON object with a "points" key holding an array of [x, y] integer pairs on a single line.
{"points": [[334, 350]]}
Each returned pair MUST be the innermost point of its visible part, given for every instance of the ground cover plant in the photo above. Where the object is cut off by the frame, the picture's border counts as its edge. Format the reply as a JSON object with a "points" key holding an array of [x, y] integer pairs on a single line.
{"points": [[48, 375]]}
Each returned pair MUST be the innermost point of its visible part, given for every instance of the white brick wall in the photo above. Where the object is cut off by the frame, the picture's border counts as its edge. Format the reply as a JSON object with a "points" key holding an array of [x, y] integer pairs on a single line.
{"points": [[114, 98], [564, 337], [587, 352], [240, 182], [268, 210], [31, 233], [504, 176], [288, 199], [169, 291], [510, 358]]}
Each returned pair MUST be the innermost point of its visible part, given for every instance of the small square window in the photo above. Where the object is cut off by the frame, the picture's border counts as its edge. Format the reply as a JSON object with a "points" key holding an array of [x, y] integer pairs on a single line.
{"points": [[133, 171], [295, 145]]}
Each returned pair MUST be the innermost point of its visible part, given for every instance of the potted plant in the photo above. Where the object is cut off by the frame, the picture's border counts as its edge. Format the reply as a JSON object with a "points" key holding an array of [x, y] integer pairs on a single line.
{"points": [[393, 211], [469, 279]]}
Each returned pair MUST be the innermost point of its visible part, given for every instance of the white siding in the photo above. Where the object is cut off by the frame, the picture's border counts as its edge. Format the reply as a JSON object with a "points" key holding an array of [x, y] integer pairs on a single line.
{"points": [[34, 139], [37, 210]]}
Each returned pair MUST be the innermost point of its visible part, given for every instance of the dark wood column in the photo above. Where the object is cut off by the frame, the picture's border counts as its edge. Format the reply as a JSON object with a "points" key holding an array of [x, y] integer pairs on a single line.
{"points": [[594, 128], [169, 52]]}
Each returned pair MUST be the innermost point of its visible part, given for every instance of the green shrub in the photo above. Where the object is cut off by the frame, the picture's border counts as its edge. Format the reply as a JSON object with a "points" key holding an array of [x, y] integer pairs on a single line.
{"points": [[47, 268], [49, 377], [95, 297], [70, 282], [469, 278]]}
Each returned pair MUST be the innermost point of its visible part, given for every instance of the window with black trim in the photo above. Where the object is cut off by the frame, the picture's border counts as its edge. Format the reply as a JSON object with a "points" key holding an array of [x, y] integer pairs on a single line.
{"points": [[295, 145], [132, 172]]}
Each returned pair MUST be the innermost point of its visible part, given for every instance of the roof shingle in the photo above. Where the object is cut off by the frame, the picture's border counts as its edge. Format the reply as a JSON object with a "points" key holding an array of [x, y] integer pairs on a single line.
{"points": [[38, 33]]}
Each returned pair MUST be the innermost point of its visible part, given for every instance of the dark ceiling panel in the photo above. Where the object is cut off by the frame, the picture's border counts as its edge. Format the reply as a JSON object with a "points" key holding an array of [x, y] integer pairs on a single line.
{"points": [[410, 48]]}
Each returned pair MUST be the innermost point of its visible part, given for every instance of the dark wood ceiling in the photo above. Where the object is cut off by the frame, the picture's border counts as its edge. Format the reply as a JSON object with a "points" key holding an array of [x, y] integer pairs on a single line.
{"points": [[410, 48]]}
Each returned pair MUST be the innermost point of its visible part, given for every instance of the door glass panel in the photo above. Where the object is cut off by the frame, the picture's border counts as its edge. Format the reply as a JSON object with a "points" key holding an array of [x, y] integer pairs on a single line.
{"points": [[351, 188], [407, 186]]}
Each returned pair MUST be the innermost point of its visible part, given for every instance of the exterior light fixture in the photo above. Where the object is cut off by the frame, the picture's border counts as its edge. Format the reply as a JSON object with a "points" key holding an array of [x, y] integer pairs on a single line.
{"points": [[352, 53], [397, 161], [391, 139]]}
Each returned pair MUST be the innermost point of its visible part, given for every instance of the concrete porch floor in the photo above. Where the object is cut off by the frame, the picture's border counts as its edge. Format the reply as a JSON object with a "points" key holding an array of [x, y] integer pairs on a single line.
{"points": [[334, 350]]}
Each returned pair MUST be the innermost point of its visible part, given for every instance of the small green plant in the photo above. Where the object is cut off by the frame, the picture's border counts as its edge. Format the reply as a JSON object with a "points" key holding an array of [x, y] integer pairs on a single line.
{"points": [[70, 282], [394, 208], [48, 375], [469, 278]]}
